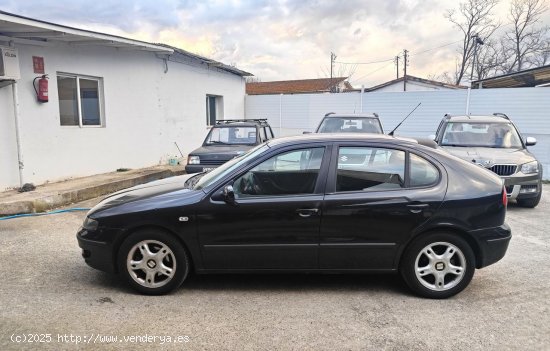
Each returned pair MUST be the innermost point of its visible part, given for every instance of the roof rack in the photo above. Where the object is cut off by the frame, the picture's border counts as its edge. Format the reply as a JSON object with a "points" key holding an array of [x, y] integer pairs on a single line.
{"points": [[503, 115], [375, 115], [262, 121], [330, 113]]}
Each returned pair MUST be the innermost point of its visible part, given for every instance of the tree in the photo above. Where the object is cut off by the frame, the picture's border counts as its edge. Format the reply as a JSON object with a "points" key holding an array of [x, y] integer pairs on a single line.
{"points": [[526, 41], [474, 17], [252, 79], [491, 59]]}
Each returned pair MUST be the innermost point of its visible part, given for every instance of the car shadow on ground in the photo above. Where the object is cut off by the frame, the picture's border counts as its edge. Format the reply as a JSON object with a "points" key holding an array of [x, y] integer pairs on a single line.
{"points": [[289, 282], [284, 282]]}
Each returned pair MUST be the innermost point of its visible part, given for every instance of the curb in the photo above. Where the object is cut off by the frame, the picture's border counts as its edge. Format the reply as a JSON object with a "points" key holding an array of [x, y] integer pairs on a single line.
{"points": [[49, 202]]}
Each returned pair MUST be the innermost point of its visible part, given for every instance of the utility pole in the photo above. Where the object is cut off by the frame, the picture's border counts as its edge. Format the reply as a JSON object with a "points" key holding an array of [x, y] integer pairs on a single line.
{"points": [[397, 64], [477, 40], [332, 58], [405, 64]]}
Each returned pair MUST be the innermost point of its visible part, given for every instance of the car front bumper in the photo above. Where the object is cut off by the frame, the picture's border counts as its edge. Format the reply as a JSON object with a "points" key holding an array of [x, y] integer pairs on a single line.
{"points": [[198, 168], [492, 244], [96, 254], [523, 187]]}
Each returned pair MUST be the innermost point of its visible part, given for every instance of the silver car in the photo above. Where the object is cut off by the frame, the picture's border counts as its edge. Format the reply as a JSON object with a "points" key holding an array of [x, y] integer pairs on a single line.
{"points": [[495, 143]]}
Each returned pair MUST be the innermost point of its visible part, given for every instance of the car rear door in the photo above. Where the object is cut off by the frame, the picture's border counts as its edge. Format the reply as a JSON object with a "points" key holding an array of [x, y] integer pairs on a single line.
{"points": [[373, 205]]}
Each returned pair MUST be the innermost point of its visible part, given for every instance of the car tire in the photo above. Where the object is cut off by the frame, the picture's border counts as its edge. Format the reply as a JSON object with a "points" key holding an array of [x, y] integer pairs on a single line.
{"points": [[153, 262], [530, 203], [438, 265]]}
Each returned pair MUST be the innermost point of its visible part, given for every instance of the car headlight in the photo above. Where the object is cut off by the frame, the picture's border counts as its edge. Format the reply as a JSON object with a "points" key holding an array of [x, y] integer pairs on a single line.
{"points": [[530, 167], [90, 224], [194, 160]]}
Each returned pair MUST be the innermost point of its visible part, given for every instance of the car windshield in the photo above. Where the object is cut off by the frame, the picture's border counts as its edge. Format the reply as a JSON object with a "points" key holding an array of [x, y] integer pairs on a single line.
{"points": [[205, 179], [350, 125], [495, 135], [231, 136]]}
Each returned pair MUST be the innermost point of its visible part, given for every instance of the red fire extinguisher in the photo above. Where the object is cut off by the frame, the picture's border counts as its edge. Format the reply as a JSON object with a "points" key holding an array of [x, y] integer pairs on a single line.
{"points": [[42, 92]]}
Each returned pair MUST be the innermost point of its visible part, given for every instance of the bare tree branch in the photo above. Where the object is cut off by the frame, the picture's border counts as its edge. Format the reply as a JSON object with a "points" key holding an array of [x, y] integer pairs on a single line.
{"points": [[525, 41], [474, 17]]}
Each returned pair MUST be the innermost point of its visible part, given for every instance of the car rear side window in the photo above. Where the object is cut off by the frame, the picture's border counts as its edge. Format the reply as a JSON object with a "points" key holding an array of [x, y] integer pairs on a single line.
{"points": [[290, 173], [423, 173], [368, 168]]}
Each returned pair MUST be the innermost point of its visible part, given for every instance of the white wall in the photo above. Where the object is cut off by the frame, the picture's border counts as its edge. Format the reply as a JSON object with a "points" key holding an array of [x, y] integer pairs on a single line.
{"points": [[528, 108], [146, 110]]}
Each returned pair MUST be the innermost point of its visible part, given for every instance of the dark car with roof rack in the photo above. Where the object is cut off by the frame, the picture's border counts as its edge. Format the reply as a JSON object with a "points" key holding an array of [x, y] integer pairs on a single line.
{"points": [[225, 140], [350, 123], [494, 142]]}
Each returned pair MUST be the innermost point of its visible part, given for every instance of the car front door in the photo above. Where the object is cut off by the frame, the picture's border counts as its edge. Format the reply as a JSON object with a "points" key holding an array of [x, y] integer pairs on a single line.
{"points": [[376, 197], [275, 218]]}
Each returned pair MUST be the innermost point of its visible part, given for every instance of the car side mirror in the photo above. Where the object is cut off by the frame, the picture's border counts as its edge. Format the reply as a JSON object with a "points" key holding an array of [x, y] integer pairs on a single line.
{"points": [[530, 141], [431, 136], [229, 194]]}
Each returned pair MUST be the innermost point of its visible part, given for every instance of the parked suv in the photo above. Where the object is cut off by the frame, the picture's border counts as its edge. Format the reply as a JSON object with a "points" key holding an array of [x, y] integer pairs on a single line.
{"points": [[227, 139], [350, 123], [495, 143]]}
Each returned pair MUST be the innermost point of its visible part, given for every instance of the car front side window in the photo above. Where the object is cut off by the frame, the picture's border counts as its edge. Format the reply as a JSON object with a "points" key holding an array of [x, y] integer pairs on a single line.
{"points": [[289, 173]]}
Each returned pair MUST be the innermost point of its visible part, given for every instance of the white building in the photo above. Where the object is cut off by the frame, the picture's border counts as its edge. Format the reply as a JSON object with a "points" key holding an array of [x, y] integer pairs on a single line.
{"points": [[412, 83], [113, 102]]}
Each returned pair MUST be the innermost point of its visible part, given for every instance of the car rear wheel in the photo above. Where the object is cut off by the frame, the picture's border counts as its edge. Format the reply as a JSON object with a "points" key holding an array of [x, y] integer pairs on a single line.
{"points": [[438, 265], [153, 262]]}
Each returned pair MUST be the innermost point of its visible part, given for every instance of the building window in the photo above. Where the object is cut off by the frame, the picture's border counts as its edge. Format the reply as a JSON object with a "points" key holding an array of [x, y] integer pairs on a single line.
{"points": [[214, 109], [79, 100]]}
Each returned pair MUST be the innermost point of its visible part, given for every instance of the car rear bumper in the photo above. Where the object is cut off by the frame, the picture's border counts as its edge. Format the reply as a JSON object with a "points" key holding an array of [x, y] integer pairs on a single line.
{"points": [[96, 254], [492, 244]]}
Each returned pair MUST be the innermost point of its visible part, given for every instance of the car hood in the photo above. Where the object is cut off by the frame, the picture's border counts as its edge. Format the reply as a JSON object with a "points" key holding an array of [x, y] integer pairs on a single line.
{"points": [[220, 152], [490, 156], [168, 192]]}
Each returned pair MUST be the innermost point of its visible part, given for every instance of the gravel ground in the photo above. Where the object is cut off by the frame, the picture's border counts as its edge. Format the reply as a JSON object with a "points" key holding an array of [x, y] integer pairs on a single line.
{"points": [[48, 289]]}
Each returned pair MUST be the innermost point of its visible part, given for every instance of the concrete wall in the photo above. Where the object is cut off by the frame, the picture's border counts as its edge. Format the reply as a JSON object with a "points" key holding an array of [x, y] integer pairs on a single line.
{"points": [[146, 110], [528, 107]]}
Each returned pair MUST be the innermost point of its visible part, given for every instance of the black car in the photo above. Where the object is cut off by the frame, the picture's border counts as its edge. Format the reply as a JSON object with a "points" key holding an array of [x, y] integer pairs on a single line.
{"points": [[350, 123], [495, 143], [225, 140], [315, 203]]}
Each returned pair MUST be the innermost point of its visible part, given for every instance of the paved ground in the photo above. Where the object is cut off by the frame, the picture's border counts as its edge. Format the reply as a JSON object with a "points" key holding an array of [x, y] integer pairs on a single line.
{"points": [[47, 289]]}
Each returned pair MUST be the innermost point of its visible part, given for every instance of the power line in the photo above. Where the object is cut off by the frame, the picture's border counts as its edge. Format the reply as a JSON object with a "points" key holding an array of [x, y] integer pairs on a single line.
{"points": [[437, 47], [372, 72], [364, 63]]}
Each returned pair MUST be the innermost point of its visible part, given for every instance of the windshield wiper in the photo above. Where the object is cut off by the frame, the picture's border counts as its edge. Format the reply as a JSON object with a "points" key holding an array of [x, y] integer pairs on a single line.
{"points": [[190, 183], [217, 142]]}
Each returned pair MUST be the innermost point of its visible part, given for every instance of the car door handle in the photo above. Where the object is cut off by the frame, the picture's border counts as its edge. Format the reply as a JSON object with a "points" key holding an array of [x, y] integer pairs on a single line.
{"points": [[307, 212], [417, 208]]}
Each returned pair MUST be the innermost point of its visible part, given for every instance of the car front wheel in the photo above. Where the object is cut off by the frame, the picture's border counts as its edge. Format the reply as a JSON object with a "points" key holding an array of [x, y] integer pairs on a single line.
{"points": [[153, 262], [438, 265]]}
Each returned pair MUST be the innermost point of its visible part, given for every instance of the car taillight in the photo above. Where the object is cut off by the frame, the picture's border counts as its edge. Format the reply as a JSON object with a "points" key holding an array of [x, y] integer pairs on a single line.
{"points": [[504, 197]]}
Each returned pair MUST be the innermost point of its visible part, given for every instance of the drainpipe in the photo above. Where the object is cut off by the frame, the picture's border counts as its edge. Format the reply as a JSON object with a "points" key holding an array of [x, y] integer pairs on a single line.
{"points": [[17, 134], [362, 91], [280, 115], [468, 101]]}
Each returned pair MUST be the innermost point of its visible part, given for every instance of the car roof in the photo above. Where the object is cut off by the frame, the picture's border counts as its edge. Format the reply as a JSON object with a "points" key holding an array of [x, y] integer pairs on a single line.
{"points": [[235, 124], [478, 119], [241, 122], [341, 137], [351, 115]]}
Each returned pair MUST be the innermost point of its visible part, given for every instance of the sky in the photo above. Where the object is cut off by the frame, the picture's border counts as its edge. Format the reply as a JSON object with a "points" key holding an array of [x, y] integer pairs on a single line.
{"points": [[283, 39]]}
